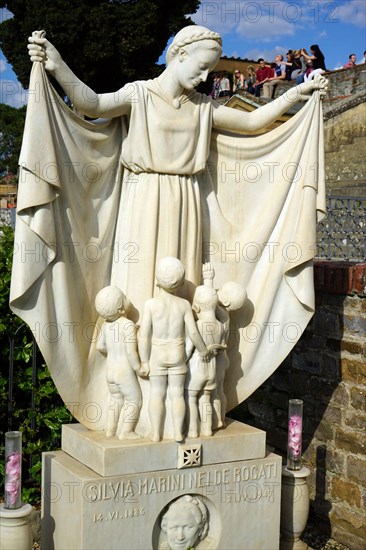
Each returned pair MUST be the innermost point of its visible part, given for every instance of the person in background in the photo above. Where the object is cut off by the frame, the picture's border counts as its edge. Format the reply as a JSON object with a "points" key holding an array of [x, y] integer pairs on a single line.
{"points": [[263, 74], [239, 81], [363, 60], [298, 65], [224, 86], [351, 61], [317, 61], [278, 78], [250, 80], [289, 64], [215, 91], [307, 66]]}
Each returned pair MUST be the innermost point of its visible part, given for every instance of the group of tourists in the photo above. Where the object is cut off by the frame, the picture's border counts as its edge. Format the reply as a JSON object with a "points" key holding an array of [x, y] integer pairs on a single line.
{"points": [[299, 66]]}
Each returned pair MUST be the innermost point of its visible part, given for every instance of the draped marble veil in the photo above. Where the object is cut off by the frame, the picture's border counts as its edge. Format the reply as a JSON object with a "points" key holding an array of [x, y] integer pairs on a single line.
{"points": [[260, 196]]}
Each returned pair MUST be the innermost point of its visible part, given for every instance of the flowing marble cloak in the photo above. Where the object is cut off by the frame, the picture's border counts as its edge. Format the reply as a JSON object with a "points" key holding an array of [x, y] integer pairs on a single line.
{"points": [[100, 202]]}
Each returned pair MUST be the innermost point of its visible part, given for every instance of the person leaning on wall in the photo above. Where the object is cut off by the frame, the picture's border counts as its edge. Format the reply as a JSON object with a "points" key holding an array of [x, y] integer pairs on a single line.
{"points": [[238, 81], [351, 61], [250, 80], [363, 60]]}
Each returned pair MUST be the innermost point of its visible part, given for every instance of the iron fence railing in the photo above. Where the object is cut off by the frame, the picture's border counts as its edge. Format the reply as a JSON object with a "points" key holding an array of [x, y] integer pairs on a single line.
{"points": [[12, 342], [342, 233]]}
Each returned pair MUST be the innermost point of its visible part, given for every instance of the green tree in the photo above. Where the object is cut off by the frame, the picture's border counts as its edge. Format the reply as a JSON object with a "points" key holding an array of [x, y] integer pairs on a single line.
{"points": [[105, 42], [11, 131]]}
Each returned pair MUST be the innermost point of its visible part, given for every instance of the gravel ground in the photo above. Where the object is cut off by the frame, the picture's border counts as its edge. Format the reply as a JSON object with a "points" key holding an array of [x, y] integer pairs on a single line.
{"points": [[318, 541]]}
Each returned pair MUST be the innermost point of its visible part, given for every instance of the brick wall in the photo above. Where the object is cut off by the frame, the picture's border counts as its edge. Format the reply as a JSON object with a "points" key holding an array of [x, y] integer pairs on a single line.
{"points": [[327, 369]]}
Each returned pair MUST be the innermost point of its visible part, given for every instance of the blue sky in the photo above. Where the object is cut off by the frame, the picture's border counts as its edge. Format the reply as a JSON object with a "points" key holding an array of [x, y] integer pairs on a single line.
{"points": [[261, 28]]}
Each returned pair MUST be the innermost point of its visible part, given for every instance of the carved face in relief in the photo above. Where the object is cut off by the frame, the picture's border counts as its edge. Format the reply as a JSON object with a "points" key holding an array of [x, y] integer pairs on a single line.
{"points": [[185, 523], [183, 530]]}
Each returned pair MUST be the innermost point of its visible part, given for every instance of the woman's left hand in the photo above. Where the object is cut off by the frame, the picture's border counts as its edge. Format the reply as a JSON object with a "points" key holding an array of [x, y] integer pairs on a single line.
{"points": [[319, 82]]}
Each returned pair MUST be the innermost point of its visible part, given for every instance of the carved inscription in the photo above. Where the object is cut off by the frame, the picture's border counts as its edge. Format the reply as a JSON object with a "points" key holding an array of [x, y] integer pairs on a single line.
{"points": [[125, 491], [233, 485], [119, 514]]}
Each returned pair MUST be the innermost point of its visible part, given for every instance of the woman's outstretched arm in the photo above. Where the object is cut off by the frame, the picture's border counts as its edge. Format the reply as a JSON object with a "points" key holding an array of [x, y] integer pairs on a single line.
{"points": [[82, 97], [226, 118]]}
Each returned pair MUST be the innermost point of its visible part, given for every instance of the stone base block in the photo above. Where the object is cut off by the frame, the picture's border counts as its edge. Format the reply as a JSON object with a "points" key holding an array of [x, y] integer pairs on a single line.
{"points": [[82, 510], [111, 457]]}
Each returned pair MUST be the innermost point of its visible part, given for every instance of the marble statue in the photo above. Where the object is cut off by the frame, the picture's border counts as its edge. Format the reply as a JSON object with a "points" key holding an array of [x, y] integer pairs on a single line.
{"points": [[166, 319], [185, 523], [201, 376], [163, 171], [118, 342], [231, 297]]}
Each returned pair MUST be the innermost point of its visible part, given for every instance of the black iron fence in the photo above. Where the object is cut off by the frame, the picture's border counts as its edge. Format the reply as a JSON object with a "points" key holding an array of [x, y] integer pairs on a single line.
{"points": [[342, 233], [13, 341]]}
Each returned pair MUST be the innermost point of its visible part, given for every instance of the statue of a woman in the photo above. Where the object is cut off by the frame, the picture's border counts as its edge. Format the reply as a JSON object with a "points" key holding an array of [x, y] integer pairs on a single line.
{"points": [[102, 202]]}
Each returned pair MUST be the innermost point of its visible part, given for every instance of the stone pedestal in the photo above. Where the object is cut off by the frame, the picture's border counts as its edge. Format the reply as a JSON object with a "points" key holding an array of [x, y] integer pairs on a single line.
{"points": [[110, 456], [294, 508], [121, 508], [15, 531]]}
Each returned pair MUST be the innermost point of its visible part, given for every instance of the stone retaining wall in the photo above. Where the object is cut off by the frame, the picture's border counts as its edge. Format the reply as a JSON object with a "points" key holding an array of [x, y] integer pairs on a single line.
{"points": [[327, 369]]}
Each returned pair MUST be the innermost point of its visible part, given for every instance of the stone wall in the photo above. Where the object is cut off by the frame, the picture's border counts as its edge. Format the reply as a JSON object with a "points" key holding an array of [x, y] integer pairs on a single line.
{"points": [[345, 145], [327, 369]]}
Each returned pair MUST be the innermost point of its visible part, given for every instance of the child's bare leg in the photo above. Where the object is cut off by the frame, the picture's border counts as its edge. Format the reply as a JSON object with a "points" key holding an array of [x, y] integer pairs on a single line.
{"points": [[114, 409], [206, 413], [217, 409], [223, 402], [127, 423], [176, 393], [219, 398], [130, 411], [192, 416], [158, 387]]}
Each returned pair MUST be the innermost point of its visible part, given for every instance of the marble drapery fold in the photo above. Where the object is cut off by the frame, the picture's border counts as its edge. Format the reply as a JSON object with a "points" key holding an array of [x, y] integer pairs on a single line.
{"points": [[256, 201]]}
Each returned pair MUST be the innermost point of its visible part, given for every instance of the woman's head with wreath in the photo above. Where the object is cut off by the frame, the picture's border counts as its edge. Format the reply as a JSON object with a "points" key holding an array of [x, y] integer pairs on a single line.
{"points": [[192, 55]]}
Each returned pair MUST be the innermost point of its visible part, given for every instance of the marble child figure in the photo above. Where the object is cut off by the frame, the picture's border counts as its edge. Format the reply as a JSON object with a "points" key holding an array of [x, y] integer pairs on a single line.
{"points": [[154, 188], [185, 523], [118, 342], [166, 320], [231, 297], [201, 376]]}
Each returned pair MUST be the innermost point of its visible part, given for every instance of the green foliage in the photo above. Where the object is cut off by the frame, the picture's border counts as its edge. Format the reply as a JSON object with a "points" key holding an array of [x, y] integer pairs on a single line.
{"points": [[11, 124], [106, 42], [40, 426]]}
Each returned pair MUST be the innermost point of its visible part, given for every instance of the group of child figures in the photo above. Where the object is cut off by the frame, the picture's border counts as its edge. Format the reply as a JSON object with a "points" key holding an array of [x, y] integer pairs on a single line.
{"points": [[173, 349]]}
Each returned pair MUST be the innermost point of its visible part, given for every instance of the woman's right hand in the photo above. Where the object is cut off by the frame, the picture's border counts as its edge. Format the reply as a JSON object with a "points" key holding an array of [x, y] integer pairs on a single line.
{"points": [[42, 51]]}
